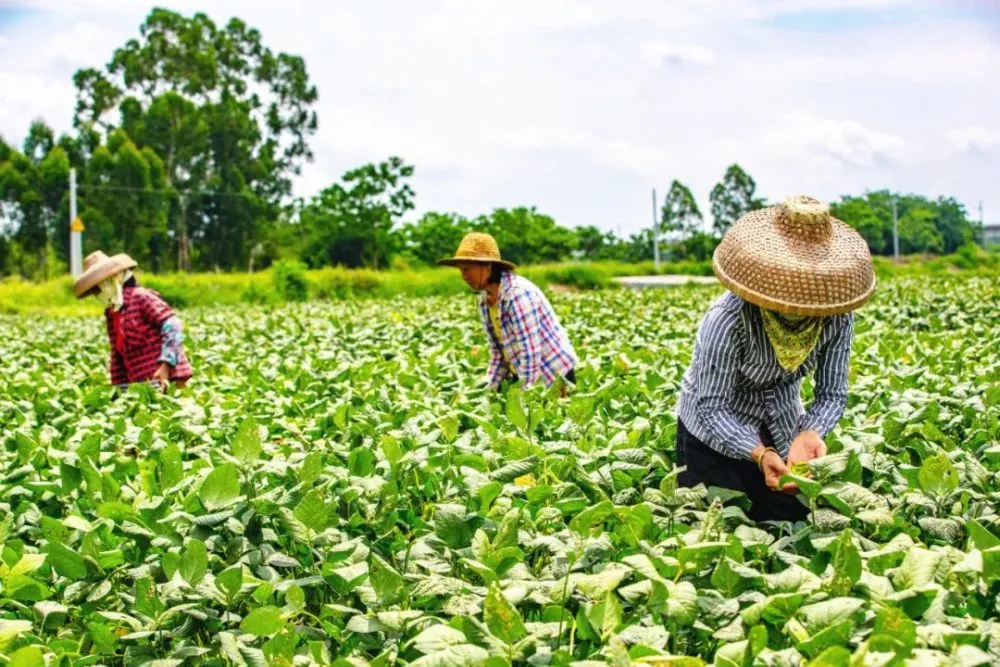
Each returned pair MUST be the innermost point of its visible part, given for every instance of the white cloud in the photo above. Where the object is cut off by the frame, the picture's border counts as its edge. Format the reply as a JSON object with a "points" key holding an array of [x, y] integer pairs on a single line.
{"points": [[572, 105], [809, 138], [665, 53], [975, 140]]}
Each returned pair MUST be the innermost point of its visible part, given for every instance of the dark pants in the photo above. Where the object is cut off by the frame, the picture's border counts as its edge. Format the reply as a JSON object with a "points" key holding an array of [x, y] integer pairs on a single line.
{"points": [[709, 467], [512, 378]]}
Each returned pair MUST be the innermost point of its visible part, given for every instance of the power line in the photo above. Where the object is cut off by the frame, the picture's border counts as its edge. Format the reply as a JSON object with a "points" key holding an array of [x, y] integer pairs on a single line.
{"points": [[203, 193]]}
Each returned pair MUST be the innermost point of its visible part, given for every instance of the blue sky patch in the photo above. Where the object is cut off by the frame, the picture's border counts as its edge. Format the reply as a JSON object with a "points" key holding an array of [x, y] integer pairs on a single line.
{"points": [[838, 20]]}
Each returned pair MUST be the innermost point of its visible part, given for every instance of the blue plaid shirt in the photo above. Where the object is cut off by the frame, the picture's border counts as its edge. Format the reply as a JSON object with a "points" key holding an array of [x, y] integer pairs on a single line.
{"points": [[533, 339], [734, 385]]}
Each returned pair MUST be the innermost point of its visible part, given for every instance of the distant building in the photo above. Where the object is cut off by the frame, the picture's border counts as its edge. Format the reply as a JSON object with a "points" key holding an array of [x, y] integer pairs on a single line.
{"points": [[991, 235]]}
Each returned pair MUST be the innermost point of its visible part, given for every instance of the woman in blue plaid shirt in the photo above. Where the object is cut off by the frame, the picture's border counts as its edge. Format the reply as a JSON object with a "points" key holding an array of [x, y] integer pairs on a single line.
{"points": [[527, 343], [794, 276]]}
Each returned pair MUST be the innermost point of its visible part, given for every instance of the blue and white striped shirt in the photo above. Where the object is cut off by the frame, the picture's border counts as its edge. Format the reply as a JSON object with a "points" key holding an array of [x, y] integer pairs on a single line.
{"points": [[735, 385]]}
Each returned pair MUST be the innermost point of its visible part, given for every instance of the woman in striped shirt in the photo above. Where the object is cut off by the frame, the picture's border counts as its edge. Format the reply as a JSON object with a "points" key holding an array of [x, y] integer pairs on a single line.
{"points": [[794, 276], [527, 343]]}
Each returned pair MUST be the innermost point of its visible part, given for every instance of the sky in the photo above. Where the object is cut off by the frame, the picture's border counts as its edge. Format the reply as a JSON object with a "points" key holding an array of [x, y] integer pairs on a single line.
{"points": [[582, 107]]}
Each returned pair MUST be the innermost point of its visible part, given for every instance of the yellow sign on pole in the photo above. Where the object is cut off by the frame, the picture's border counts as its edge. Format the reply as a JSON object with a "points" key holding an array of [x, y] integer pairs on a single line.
{"points": [[76, 225]]}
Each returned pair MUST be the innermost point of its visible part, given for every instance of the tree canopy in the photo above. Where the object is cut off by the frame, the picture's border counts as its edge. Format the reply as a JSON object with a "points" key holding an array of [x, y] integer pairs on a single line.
{"points": [[187, 141]]}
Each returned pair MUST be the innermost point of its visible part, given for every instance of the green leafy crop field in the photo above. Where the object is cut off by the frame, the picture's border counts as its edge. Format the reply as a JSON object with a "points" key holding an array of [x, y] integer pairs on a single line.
{"points": [[336, 488]]}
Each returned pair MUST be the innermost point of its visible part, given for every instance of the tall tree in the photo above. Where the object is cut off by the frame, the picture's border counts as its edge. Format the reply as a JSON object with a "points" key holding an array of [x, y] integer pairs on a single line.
{"points": [[525, 235], [221, 111], [680, 212], [435, 235], [33, 186], [351, 224], [122, 201], [732, 197]]}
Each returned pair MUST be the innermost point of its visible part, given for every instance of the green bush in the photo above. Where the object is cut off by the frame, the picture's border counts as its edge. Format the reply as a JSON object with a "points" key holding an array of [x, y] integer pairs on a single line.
{"points": [[290, 280], [258, 295]]}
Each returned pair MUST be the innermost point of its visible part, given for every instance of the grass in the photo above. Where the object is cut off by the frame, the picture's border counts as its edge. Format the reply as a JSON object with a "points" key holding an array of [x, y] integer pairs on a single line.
{"points": [[182, 290]]}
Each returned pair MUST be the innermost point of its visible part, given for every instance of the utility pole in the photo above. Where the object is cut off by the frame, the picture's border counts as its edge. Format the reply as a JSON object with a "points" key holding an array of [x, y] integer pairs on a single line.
{"points": [[656, 235], [895, 231], [982, 229], [75, 230]]}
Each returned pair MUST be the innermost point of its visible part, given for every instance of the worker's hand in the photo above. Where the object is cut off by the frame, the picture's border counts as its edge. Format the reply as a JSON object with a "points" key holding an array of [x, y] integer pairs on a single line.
{"points": [[162, 374], [807, 446], [772, 467]]}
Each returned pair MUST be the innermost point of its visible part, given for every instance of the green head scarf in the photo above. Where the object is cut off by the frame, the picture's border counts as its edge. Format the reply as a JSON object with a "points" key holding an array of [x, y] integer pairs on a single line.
{"points": [[792, 337]]}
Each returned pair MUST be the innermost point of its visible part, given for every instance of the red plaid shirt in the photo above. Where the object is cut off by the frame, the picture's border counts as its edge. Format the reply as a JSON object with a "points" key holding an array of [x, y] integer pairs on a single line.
{"points": [[141, 317], [533, 339]]}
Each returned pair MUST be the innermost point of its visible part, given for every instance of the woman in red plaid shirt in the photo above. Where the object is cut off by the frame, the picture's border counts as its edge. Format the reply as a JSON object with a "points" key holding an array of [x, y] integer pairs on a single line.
{"points": [[527, 342], [144, 333]]}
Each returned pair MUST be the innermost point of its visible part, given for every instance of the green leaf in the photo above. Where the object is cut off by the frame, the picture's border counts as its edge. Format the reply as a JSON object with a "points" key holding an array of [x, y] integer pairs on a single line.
{"points": [[822, 615], [835, 656], [171, 466], [846, 563], [27, 564], [515, 409], [732, 578], [221, 488], [937, 475], [919, 567], [25, 589], [361, 462], [592, 516], [346, 579], [246, 444], [454, 525], [263, 621], [894, 632], [29, 656], [682, 603], [501, 616], [810, 488], [66, 562], [314, 510], [391, 449], [311, 469], [230, 581], [513, 470], [606, 615], [389, 585], [980, 535], [838, 634], [437, 638], [194, 561]]}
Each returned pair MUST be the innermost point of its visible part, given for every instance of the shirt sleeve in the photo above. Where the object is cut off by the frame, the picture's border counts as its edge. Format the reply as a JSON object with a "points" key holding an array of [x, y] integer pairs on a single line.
{"points": [[718, 364], [172, 335], [526, 331], [154, 309], [497, 369], [830, 393]]}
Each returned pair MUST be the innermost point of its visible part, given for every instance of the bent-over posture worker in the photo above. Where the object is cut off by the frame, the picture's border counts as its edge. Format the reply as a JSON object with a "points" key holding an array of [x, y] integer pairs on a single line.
{"points": [[794, 275], [527, 342], [145, 335]]}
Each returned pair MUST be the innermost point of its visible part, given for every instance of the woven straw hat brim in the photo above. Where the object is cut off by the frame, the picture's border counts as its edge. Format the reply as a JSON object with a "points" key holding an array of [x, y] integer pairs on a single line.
{"points": [[793, 268], [87, 283], [458, 261], [477, 247]]}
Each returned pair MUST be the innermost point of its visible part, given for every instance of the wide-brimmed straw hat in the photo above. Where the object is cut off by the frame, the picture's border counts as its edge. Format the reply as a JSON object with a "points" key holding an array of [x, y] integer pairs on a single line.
{"points": [[96, 267], [477, 247], [796, 259]]}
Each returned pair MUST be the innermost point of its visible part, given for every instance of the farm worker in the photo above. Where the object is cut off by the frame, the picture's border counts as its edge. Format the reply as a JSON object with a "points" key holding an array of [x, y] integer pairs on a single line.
{"points": [[794, 275], [144, 333], [526, 340]]}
